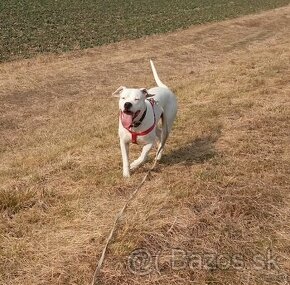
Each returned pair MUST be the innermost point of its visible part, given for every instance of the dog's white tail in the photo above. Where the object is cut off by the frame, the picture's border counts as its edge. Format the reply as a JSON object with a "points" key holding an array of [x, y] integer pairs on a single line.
{"points": [[156, 77]]}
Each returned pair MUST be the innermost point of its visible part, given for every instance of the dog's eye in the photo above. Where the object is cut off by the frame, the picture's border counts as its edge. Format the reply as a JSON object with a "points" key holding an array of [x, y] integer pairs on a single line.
{"points": [[137, 99], [123, 98]]}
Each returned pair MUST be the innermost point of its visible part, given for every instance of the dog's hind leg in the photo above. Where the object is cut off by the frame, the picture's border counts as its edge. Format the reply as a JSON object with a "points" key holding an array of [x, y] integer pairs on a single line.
{"points": [[163, 138], [158, 133]]}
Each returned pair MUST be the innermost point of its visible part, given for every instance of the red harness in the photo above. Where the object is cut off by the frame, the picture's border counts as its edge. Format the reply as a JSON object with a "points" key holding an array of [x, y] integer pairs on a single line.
{"points": [[135, 134]]}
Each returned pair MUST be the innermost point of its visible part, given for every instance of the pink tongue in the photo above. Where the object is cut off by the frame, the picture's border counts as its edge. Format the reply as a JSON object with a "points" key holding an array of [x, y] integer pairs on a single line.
{"points": [[127, 120]]}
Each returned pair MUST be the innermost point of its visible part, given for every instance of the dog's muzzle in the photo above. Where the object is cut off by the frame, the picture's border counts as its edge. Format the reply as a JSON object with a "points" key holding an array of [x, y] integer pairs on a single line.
{"points": [[127, 118], [127, 106]]}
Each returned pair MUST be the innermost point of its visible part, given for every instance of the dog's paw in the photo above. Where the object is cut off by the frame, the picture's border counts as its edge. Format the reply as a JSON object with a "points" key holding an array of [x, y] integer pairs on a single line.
{"points": [[134, 164], [158, 158], [126, 174], [159, 154]]}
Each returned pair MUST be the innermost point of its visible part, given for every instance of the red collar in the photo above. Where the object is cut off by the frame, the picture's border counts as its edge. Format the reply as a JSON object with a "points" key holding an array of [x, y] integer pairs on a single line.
{"points": [[135, 134]]}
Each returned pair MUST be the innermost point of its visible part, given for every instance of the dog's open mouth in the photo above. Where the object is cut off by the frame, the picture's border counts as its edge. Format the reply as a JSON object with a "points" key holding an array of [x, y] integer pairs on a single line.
{"points": [[128, 113], [127, 118]]}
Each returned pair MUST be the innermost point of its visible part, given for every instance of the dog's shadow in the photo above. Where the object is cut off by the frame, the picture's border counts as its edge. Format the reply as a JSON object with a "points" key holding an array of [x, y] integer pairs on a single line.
{"points": [[199, 150]]}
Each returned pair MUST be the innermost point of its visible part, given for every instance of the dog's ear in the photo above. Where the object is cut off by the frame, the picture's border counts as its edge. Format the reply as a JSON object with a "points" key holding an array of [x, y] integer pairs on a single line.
{"points": [[144, 91], [118, 91], [146, 94]]}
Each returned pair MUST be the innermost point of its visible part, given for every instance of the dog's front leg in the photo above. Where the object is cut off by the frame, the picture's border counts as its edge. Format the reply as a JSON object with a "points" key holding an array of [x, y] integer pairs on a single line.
{"points": [[125, 157], [142, 157]]}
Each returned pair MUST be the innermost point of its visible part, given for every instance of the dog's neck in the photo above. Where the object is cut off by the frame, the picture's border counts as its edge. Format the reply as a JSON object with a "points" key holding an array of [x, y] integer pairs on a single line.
{"points": [[139, 119]]}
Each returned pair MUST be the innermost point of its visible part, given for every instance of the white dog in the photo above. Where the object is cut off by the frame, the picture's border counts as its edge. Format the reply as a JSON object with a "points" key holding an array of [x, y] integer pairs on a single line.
{"points": [[140, 112]]}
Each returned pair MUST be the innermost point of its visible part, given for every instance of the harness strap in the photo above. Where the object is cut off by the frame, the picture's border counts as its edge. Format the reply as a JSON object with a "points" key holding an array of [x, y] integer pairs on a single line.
{"points": [[134, 137]]}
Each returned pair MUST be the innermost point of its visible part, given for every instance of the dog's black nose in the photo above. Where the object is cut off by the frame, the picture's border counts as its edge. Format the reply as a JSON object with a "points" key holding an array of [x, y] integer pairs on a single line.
{"points": [[128, 105]]}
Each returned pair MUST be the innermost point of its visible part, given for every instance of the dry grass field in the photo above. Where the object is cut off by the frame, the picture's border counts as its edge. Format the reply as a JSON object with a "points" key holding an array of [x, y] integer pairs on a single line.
{"points": [[222, 187]]}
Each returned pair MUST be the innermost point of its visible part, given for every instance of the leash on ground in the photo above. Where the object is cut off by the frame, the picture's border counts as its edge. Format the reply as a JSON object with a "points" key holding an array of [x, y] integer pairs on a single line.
{"points": [[117, 219]]}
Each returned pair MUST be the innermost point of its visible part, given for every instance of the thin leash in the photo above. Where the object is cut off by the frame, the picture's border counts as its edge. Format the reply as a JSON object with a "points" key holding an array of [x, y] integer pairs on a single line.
{"points": [[117, 219]]}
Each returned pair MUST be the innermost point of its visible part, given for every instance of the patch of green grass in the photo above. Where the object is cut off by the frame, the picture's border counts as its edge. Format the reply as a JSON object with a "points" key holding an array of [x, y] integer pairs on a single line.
{"points": [[31, 27]]}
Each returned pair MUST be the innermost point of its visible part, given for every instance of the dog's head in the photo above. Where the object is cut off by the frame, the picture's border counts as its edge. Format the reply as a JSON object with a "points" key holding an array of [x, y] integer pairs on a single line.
{"points": [[131, 103]]}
